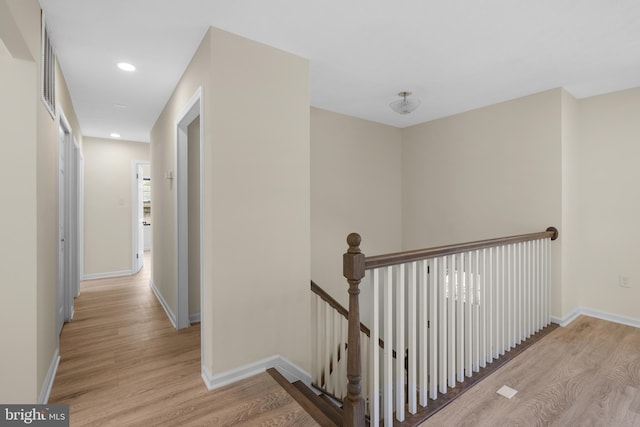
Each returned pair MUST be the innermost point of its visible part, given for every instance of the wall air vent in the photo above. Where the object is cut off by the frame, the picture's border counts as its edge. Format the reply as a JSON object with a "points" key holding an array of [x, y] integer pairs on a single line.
{"points": [[48, 71]]}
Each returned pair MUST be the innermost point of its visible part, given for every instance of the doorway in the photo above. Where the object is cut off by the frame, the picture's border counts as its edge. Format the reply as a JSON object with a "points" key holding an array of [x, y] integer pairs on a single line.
{"points": [[69, 218], [140, 212], [189, 191]]}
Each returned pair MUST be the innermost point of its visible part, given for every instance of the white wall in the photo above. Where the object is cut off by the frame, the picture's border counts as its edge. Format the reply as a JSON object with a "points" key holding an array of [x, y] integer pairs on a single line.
{"points": [[108, 221], [606, 204], [355, 187], [494, 171]]}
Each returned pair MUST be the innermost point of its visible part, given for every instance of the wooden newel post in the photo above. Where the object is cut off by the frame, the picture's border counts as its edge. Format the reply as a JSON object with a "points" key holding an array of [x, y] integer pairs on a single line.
{"points": [[353, 270]]}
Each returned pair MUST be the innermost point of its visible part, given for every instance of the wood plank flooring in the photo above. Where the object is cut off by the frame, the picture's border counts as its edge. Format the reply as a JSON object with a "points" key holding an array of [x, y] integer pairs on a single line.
{"points": [[585, 374], [123, 364]]}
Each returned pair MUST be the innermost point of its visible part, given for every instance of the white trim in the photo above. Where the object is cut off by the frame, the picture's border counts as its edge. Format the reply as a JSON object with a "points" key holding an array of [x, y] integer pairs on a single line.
{"points": [[598, 314], [48, 380], [194, 318], [288, 369], [192, 109], [108, 274], [163, 303]]}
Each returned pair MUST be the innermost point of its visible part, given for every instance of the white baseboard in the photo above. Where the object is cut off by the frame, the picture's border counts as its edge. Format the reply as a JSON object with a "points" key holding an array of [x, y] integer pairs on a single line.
{"points": [[598, 314], [288, 369], [163, 303], [108, 274], [194, 318], [48, 380]]}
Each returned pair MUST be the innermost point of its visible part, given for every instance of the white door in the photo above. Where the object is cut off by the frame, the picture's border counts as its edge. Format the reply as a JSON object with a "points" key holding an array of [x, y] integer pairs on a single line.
{"points": [[61, 230]]}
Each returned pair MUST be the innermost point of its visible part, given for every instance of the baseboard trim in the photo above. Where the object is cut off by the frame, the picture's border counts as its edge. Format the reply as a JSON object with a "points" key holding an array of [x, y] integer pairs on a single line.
{"points": [[163, 303], [288, 369], [43, 399], [194, 318], [108, 275], [598, 314]]}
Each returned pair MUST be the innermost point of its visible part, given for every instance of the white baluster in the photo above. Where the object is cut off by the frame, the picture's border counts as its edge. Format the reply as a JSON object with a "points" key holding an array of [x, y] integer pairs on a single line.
{"points": [[412, 325], [501, 302], [460, 296], [374, 349], [468, 305], [328, 375], [493, 311], [387, 383], [399, 362], [434, 325], [548, 282], [451, 321], [519, 297], [423, 330], [314, 338], [484, 307], [442, 329], [509, 304]]}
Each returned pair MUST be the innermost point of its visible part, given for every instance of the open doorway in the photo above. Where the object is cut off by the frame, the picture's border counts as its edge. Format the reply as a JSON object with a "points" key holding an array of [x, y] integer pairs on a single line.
{"points": [[189, 213], [140, 213]]}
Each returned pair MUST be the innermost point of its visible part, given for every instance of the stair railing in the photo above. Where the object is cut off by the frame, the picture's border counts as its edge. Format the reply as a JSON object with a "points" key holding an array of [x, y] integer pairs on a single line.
{"points": [[452, 309]]}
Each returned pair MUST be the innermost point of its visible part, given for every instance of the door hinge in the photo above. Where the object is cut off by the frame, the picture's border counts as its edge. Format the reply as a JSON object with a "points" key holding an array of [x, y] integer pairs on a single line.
{"points": [[137, 176], [137, 256]]}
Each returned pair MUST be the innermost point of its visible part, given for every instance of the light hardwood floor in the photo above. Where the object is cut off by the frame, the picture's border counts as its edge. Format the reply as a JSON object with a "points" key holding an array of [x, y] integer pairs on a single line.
{"points": [[123, 364], [585, 374]]}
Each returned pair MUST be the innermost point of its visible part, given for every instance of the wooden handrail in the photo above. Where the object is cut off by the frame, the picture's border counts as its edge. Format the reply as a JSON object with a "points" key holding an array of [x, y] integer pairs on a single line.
{"points": [[420, 254], [338, 307]]}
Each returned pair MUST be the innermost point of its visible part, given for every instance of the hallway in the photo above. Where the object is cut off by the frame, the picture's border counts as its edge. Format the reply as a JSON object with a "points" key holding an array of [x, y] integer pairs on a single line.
{"points": [[123, 364]]}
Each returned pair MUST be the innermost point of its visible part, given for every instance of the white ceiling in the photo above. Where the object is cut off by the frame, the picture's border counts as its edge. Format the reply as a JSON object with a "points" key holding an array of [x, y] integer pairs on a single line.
{"points": [[454, 55]]}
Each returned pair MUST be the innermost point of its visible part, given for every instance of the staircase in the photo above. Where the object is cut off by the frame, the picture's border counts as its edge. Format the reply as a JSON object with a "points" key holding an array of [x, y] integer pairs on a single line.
{"points": [[324, 410], [440, 320]]}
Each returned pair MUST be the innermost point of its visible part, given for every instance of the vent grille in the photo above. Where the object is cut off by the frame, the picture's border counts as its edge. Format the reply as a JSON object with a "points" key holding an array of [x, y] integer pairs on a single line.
{"points": [[48, 71]]}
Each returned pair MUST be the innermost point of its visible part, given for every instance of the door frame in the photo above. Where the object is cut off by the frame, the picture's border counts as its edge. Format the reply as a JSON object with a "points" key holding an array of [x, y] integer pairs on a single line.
{"points": [[192, 110], [136, 262], [69, 215]]}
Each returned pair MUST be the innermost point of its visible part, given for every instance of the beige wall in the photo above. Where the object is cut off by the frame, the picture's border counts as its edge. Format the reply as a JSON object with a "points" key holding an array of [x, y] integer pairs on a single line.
{"points": [[494, 171], [163, 159], [605, 203], [356, 181], [17, 254], [570, 209], [107, 203], [256, 200], [29, 300]]}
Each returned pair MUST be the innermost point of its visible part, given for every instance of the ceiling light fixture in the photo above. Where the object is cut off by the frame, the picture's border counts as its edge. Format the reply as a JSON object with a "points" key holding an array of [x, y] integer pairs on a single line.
{"points": [[114, 135], [125, 66], [404, 105]]}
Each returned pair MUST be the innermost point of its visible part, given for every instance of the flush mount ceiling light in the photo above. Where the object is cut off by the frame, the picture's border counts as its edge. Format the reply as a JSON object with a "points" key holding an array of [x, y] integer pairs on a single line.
{"points": [[125, 66], [404, 105], [114, 135]]}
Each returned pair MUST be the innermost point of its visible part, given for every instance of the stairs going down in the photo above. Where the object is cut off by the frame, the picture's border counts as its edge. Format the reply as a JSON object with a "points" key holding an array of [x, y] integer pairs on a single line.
{"points": [[321, 408]]}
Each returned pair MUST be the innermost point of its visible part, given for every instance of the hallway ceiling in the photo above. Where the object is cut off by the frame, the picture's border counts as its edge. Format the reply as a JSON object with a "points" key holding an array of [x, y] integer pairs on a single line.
{"points": [[453, 55]]}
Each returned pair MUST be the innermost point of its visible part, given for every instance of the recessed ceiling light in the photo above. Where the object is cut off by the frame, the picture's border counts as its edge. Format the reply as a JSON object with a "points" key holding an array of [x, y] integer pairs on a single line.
{"points": [[125, 66], [114, 135], [119, 106]]}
